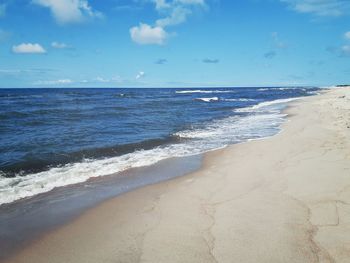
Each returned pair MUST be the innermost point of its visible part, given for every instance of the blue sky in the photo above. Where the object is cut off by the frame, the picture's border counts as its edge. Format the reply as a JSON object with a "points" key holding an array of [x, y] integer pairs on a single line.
{"points": [[173, 43]]}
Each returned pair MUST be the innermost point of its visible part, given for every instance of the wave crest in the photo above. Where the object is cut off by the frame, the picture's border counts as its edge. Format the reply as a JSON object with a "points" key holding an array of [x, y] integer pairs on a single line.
{"points": [[203, 91]]}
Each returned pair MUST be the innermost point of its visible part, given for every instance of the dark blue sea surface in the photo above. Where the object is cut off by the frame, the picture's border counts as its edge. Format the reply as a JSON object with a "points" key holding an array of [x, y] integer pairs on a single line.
{"points": [[54, 137]]}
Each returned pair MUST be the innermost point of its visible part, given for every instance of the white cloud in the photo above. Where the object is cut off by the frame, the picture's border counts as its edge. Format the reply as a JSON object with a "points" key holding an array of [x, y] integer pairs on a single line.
{"points": [[347, 35], [345, 50], [2, 10], [145, 34], [320, 7], [59, 45], [190, 2], [139, 75], [27, 48], [99, 79], [174, 12], [69, 82], [161, 4], [69, 11], [178, 16], [54, 82], [64, 81]]}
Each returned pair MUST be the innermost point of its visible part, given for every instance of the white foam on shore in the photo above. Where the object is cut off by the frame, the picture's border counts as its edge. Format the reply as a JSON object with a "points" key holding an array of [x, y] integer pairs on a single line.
{"points": [[211, 99], [216, 134], [12, 189], [208, 99], [265, 104], [236, 129], [284, 88], [241, 99], [329, 87], [203, 91]]}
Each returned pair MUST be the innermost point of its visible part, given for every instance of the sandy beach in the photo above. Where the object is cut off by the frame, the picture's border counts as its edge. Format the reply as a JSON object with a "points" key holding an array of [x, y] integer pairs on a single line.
{"points": [[281, 199]]}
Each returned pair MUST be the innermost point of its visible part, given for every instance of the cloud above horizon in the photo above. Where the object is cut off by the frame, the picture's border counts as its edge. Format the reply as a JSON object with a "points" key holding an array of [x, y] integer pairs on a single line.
{"points": [[345, 50], [59, 45], [69, 11], [69, 81], [145, 34], [54, 82], [178, 15], [342, 50], [332, 8], [174, 12], [140, 75], [347, 35], [28, 48]]}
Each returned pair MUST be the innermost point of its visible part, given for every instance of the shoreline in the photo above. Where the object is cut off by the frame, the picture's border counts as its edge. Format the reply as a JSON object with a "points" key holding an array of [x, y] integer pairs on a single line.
{"points": [[35, 216], [238, 121], [27, 220], [211, 214]]}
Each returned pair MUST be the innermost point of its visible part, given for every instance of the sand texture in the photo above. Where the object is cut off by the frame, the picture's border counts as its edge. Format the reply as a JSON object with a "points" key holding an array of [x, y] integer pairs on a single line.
{"points": [[280, 199]]}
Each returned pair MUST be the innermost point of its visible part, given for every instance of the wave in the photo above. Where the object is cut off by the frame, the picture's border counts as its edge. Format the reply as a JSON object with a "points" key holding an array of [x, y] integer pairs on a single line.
{"points": [[200, 138], [266, 104], [208, 99], [241, 99], [20, 187], [236, 129], [203, 91], [283, 88], [221, 99], [36, 164], [213, 135]]}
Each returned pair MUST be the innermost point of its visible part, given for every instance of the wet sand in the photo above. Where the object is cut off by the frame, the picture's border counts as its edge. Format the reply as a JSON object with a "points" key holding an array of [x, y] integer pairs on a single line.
{"points": [[280, 199], [28, 219]]}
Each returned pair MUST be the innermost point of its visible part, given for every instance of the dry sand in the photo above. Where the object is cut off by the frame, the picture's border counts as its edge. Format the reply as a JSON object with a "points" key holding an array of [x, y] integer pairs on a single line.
{"points": [[281, 199]]}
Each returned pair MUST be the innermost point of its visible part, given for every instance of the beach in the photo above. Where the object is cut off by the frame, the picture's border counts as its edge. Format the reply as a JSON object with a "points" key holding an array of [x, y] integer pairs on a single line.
{"points": [[285, 198]]}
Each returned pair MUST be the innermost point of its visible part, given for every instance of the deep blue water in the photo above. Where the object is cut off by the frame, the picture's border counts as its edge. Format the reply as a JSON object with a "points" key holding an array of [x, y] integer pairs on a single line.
{"points": [[53, 137]]}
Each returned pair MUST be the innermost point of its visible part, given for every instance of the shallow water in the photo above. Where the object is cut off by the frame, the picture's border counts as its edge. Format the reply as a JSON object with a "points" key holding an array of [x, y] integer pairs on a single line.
{"points": [[57, 137]]}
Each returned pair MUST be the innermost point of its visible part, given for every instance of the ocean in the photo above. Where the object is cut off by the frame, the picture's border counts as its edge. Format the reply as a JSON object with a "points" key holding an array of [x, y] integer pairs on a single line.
{"points": [[51, 138]]}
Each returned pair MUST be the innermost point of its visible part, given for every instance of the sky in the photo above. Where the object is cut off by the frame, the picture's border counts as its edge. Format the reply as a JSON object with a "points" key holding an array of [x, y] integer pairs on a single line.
{"points": [[174, 43]]}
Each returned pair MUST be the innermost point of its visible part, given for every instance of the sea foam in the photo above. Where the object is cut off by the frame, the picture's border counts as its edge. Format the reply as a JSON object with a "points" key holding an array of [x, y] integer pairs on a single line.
{"points": [[207, 136], [263, 105], [208, 99], [203, 91]]}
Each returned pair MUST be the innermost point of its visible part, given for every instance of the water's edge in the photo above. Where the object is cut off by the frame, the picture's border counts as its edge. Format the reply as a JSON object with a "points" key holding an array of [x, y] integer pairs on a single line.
{"points": [[27, 219], [159, 124]]}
